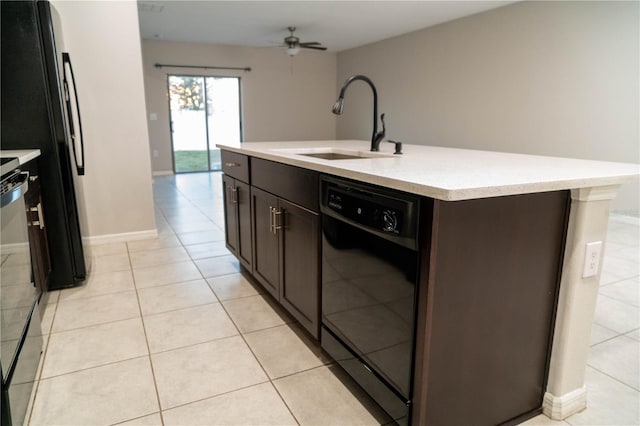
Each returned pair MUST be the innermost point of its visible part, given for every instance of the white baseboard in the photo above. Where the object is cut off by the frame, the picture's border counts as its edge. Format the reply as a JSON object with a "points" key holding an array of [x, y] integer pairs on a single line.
{"points": [[121, 238], [561, 407], [162, 173]]}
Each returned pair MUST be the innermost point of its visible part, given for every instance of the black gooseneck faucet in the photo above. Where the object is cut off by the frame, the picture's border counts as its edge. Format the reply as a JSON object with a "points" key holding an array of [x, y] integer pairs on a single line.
{"points": [[376, 136]]}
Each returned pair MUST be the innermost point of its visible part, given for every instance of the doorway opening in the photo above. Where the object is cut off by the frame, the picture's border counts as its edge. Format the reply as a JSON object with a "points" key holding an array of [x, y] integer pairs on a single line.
{"points": [[204, 111]]}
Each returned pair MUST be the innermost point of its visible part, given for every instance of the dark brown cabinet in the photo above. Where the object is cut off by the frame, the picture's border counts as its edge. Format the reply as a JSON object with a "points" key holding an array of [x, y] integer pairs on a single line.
{"points": [[300, 265], [486, 306], [272, 226], [266, 242], [38, 243], [286, 253], [237, 213]]}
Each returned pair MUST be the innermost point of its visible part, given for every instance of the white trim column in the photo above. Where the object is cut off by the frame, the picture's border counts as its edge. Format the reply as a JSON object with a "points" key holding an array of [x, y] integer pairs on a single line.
{"points": [[588, 220]]}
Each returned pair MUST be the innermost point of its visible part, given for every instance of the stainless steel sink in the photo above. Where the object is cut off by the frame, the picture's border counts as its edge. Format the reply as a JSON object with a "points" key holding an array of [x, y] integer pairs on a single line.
{"points": [[333, 153], [333, 156]]}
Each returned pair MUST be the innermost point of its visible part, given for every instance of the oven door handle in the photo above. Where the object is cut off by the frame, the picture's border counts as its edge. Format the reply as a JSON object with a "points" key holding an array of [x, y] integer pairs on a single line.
{"points": [[17, 191]]}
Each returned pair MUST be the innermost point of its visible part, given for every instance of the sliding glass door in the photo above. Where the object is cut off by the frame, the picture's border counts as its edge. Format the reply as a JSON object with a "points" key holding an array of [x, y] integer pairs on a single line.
{"points": [[204, 111]]}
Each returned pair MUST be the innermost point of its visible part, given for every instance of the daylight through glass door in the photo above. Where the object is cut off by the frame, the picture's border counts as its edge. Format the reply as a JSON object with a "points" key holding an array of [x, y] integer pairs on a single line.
{"points": [[204, 111]]}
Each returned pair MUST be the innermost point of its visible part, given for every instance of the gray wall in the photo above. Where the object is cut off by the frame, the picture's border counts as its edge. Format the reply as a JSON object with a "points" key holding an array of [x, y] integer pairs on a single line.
{"points": [[282, 98], [548, 78], [103, 41]]}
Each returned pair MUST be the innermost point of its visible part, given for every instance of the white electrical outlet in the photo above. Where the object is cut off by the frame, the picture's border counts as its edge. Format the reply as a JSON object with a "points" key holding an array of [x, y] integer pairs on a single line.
{"points": [[592, 259], [153, 116]]}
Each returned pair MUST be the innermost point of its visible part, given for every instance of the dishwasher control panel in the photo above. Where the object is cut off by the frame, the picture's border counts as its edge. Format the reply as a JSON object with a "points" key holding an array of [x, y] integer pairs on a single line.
{"points": [[365, 212], [388, 213]]}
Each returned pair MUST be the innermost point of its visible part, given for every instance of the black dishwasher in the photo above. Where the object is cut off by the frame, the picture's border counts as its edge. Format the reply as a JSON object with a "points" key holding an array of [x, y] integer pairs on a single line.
{"points": [[370, 267]]}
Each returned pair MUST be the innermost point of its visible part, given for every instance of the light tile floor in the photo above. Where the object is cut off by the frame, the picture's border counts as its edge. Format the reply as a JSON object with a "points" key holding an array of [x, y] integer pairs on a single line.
{"points": [[167, 331]]}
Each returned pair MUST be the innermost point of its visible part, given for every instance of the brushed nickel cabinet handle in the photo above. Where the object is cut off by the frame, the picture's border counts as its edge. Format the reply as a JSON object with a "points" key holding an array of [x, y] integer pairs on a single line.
{"points": [[278, 219], [38, 210], [232, 164], [272, 220]]}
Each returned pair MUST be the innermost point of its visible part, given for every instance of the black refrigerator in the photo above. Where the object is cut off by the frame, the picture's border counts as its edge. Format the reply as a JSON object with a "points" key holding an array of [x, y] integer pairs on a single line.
{"points": [[40, 111]]}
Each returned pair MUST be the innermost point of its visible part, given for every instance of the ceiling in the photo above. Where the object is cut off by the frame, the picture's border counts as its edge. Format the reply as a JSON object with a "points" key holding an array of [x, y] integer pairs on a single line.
{"points": [[338, 25]]}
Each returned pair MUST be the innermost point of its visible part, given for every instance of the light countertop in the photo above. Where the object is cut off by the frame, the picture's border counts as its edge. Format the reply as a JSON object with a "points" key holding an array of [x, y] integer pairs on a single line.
{"points": [[23, 155], [448, 174]]}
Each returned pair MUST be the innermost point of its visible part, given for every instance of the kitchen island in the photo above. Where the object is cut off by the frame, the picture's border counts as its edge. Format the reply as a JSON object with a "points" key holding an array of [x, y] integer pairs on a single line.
{"points": [[496, 226]]}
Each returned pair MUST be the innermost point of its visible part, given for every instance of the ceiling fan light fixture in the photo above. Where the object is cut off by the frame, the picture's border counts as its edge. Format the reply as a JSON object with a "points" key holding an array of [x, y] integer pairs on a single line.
{"points": [[293, 44]]}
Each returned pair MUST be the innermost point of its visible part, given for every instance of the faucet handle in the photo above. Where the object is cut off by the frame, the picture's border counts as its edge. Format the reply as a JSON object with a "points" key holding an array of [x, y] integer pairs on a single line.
{"points": [[377, 137], [398, 146]]}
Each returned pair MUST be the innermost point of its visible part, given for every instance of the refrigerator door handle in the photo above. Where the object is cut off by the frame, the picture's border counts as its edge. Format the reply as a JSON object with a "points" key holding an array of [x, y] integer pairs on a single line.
{"points": [[66, 60]]}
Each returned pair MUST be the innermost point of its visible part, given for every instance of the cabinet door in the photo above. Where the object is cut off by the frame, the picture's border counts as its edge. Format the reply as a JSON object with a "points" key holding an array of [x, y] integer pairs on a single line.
{"points": [[265, 240], [38, 243], [230, 214], [243, 196], [300, 251]]}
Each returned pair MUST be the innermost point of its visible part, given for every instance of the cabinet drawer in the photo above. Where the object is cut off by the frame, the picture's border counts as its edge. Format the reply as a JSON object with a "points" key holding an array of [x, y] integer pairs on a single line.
{"points": [[292, 183], [235, 165]]}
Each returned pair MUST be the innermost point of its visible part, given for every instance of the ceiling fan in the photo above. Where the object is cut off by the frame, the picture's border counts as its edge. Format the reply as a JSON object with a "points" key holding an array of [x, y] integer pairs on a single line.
{"points": [[293, 44]]}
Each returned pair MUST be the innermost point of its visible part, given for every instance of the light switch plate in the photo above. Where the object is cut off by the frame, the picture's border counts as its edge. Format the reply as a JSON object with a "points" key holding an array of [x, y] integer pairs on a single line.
{"points": [[592, 259], [153, 116]]}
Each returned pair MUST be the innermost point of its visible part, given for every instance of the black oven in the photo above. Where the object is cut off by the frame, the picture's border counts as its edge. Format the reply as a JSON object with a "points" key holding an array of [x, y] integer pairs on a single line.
{"points": [[370, 267], [20, 333]]}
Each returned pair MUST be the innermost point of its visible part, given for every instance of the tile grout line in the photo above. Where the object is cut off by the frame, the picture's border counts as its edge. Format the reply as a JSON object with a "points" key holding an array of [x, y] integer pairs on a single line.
{"points": [[191, 345], [615, 300], [331, 363], [216, 396], [255, 357], [44, 352], [595, 345], [92, 325], [93, 367], [146, 339], [615, 379], [204, 341], [136, 418], [181, 309], [270, 381], [619, 280]]}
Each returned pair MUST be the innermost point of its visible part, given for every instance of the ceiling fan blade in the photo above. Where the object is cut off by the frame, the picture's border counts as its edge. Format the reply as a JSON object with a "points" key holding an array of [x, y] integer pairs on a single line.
{"points": [[310, 43], [313, 47]]}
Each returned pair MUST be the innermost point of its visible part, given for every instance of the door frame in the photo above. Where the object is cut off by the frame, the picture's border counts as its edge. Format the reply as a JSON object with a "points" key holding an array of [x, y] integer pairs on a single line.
{"points": [[240, 116]]}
